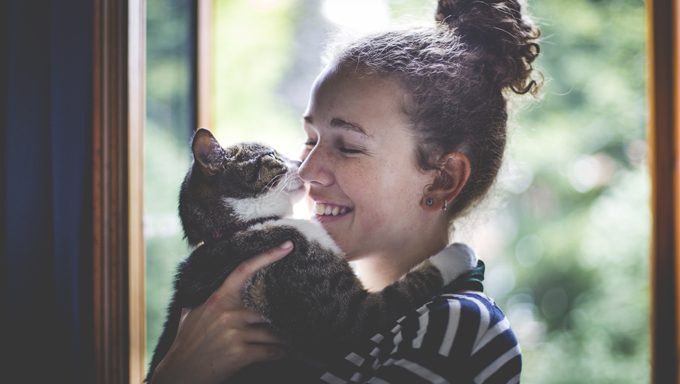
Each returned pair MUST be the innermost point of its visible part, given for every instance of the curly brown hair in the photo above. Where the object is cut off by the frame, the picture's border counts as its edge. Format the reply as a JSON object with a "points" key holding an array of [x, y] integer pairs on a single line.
{"points": [[458, 76]]}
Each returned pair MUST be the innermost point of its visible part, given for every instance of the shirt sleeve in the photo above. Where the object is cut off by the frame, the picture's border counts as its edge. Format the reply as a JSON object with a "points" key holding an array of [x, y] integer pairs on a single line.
{"points": [[455, 338]]}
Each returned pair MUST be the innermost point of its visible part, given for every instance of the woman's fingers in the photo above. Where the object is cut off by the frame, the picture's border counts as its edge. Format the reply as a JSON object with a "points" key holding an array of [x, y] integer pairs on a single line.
{"points": [[255, 353], [182, 317], [220, 336], [256, 334], [238, 319], [218, 321], [228, 294]]}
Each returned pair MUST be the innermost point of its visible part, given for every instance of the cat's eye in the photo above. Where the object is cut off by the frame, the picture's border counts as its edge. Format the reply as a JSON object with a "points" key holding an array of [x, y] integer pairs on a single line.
{"points": [[272, 157]]}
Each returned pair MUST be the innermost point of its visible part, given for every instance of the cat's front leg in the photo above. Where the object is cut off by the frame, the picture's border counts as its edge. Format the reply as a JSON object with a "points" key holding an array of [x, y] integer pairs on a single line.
{"points": [[416, 287]]}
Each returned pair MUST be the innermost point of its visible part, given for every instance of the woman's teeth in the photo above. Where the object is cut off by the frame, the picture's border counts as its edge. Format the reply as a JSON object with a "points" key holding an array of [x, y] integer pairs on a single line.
{"points": [[329, 210]]}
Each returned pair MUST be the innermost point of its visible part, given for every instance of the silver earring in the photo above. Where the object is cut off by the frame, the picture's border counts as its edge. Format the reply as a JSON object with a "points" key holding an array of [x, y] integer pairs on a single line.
{"points": [[445, 205], [429, 201]]}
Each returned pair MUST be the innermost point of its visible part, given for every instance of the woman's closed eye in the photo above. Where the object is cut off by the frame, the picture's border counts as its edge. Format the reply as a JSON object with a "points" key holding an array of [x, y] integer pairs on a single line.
{"points": [[307, 148], [350, 151], [347, 149]]}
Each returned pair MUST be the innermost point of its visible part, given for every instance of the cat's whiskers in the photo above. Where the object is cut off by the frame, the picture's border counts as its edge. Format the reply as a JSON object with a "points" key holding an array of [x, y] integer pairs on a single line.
{"points": [[282, 185], [274, 180], [288, 178]]}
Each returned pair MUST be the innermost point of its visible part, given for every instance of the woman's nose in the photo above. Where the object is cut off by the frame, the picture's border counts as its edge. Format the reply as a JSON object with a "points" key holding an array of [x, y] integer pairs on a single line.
{"points": [[316, 169]]}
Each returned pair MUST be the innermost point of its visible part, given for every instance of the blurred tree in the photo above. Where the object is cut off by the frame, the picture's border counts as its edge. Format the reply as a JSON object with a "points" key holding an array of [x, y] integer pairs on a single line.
{"points": [[582, 214]]}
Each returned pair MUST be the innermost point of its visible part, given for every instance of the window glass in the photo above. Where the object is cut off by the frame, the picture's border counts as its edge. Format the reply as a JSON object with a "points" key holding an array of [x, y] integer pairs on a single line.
{"points": [[169, 123], [565, 232]]}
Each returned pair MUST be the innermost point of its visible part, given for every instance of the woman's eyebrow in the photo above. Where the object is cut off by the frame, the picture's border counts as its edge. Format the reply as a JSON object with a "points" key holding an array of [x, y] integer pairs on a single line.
{"points": [[340, 123]]}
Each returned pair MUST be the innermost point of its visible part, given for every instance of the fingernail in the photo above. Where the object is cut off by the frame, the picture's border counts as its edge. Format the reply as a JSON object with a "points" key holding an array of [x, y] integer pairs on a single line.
{"points": [[287, 245]]}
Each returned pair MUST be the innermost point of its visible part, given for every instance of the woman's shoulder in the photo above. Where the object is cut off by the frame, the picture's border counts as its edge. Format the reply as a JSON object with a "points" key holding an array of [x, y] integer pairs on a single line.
{"points": [[461, 336], [473, 305], [468, 324]]}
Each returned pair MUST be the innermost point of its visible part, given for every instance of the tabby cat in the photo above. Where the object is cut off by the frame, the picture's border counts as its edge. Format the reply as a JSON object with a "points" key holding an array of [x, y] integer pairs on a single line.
{"points": [[234, 204]]}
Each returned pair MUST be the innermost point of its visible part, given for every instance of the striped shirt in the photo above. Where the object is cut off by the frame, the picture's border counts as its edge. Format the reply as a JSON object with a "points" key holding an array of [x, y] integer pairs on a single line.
{"points": [[460, 337]]}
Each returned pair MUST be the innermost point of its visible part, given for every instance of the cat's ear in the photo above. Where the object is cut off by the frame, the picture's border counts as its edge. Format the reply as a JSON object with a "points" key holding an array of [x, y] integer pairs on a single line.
{"points": [[207, 151]]}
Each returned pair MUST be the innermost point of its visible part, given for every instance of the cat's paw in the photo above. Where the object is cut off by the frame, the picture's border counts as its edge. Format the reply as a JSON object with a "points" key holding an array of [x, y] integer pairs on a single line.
{"points": [[454, 260]]}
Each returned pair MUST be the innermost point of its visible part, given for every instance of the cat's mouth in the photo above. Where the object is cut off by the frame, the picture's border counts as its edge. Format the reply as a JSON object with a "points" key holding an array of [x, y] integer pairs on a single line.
{"points": [[324, 209], [294, 184], [294, 189]]}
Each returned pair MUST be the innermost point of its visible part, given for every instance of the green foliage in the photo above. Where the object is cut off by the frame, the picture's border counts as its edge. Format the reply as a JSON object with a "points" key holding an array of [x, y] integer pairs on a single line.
{"points": [[583, 145], [168, 60], [251, 49]]}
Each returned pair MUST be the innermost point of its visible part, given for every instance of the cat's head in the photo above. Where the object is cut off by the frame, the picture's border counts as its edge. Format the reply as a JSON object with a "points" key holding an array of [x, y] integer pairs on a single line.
{"points": [[227, 188]]}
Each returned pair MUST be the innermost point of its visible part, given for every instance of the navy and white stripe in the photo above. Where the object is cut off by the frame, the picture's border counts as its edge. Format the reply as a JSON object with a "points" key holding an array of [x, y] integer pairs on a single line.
{"points": [[457, 337]]}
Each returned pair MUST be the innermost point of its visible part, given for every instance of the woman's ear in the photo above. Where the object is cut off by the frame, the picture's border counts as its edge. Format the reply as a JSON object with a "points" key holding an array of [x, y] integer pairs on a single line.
{"points": [[451, 177]]}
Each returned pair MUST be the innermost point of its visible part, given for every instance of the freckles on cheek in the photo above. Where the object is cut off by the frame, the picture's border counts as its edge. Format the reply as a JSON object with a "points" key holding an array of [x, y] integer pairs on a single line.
{"points": [[376, 220]]}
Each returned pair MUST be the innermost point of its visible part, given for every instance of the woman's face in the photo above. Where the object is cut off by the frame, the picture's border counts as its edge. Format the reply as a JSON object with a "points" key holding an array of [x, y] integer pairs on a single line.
{"points": [[359, 161]]}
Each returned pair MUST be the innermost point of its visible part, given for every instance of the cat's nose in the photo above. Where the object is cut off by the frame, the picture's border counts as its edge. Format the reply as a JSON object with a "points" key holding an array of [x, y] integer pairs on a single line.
{"points": [[293, 165]]}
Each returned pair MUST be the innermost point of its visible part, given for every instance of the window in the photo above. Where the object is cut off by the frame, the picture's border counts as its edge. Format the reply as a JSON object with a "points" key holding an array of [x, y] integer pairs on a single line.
{"points": [[170, 120], [598, 182]]}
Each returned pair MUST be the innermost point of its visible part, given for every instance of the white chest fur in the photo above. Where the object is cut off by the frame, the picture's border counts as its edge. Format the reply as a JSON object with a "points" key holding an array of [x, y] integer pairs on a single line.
{"points": [[271, 204], [312, 230]]}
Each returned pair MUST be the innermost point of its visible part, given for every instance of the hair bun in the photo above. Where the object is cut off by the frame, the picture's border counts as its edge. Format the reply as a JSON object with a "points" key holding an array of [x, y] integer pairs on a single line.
{"points": [[506, 40]]}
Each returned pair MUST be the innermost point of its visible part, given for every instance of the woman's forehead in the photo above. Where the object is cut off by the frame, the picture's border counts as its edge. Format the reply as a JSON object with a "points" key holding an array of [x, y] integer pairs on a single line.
{"points": [[341, 90]]}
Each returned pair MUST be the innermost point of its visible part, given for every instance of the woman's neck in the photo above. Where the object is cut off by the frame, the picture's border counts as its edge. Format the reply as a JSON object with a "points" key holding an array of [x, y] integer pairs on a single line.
{"points": [[379, 270]]}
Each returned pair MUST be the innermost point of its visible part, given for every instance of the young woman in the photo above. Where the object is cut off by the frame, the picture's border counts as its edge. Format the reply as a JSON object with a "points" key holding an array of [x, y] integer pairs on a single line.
{"points": [[406, 132]]}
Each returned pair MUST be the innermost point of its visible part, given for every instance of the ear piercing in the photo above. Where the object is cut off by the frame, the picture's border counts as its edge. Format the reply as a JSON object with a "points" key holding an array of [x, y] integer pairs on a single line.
{"points": [[429, 201]]}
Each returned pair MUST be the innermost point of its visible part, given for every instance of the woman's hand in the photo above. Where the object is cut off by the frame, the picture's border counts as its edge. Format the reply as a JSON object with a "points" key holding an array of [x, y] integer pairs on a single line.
{"points": [[219, 337]]}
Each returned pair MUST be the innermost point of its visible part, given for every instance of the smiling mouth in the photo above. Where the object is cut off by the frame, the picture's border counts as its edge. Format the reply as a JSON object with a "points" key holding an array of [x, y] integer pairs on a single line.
{"points": [[321, 209]]}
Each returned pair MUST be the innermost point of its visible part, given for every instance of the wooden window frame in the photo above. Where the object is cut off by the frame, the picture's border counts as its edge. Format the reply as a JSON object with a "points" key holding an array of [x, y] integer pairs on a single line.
{"points": [[118, 120], [664, 134], [118, 132], [118, 251]]}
